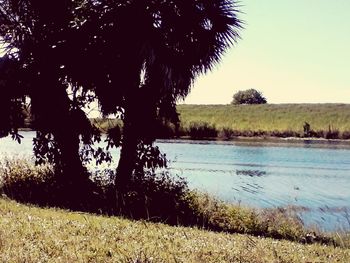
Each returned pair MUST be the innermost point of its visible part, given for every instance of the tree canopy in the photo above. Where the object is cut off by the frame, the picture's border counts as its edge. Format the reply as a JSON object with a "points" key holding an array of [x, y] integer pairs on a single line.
{"points": [[135, 58]]}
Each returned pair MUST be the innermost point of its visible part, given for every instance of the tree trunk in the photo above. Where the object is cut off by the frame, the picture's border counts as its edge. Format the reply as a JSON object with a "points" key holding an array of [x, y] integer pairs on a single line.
{"points": [[72, 177], [55, 117], [128, 153], [138, 125], [72, 168]]}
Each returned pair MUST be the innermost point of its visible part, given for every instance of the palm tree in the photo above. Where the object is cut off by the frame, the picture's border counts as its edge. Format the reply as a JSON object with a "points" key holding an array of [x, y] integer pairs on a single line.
{"points": [[161, 47]]}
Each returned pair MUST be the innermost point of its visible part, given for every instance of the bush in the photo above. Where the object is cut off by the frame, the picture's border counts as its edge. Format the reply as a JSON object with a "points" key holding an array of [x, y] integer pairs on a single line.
{"points": [[202, 131], [332, 133], [227, 134], [284, 134], [317, 134], [250, 96], [157, 197], [166, 130], [23, 181], [345, 135], [216, 215]]}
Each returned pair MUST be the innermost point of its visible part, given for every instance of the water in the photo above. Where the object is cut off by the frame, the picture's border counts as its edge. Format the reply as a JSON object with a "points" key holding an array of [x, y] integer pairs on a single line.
{"points": [[314, 177]]}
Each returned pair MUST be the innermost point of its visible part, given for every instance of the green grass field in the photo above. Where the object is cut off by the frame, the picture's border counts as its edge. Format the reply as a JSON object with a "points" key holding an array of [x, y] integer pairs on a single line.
{"points": [[31, 234], [330, 121], [268, 117]]}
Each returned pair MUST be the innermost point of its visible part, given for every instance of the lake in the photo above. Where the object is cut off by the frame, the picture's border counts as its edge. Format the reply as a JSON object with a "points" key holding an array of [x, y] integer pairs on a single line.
{"points": [[312, 176]]}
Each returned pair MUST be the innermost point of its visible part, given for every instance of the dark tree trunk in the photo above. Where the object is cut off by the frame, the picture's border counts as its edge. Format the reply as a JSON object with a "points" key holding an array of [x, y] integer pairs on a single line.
{"points": [[138, 116], [73, 170], [139, 125], [54, 116], [74, 186], [128, 154], [127, 160]]}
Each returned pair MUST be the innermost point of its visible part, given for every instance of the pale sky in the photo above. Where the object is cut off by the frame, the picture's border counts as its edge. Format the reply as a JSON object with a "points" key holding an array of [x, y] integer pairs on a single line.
{"points": [[292, 51]]}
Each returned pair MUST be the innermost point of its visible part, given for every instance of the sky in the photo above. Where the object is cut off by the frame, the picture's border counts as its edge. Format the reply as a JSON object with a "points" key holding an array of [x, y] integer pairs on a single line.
{"points": [[292, 51]]}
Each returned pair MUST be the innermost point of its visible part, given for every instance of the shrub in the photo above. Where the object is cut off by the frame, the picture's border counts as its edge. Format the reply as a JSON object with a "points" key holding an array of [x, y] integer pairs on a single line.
{"points": [[332, 133], [345, 135], [283, 223], [227, 133], [23, 181], [202, 131], [284, 134], [216, 215], [166, 129], [317, 134], [157, 197]]}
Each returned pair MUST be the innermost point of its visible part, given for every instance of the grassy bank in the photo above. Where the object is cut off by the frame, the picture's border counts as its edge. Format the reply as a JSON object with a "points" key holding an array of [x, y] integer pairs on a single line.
{"points": [[281, 120], [157, 198], [329, 121], [31, 234]]}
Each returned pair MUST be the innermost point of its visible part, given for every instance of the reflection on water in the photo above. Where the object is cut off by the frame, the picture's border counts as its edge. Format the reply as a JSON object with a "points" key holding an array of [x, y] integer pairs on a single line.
{"points": [[251, 173], [314, 178]]}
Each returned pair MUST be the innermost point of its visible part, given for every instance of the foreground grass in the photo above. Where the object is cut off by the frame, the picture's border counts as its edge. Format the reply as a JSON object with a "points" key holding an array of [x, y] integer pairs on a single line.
{"points": [[31, 234], [268, 117]]}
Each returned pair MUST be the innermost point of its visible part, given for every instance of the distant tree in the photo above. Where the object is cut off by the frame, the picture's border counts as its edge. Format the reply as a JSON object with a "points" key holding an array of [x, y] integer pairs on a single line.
{"points": [[250, 96]]}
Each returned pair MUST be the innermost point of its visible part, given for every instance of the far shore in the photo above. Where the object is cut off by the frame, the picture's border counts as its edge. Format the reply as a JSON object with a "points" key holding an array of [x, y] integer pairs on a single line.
{"points": [[254, 139], [265, 140]]}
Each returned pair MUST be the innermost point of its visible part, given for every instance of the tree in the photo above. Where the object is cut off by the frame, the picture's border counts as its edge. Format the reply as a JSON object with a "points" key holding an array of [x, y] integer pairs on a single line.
{"points": [[36, 27], [177, 41], [36, 36], [136, 58], [250, 96]]}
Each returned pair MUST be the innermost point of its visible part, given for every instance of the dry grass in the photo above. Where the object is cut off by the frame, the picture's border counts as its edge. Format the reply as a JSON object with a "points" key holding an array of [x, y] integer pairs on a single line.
{"points": [[30, 234]]}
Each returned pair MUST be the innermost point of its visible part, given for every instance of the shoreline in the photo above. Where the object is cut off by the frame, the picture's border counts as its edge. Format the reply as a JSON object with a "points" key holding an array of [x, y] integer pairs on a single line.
{"points": [[251, 139], [297, 141]]}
